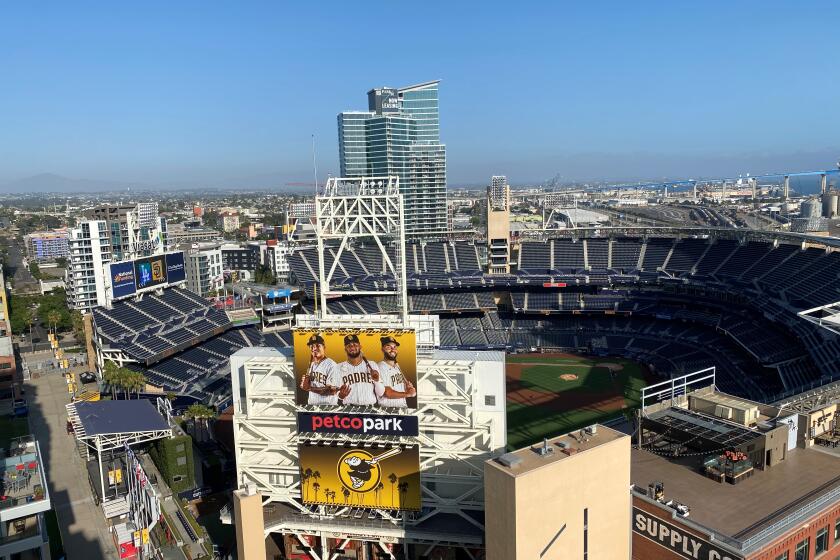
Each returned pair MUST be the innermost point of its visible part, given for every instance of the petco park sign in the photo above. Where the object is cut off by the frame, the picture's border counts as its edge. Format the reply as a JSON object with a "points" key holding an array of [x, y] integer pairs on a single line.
{"points": [[366, 424], [677, 540]]}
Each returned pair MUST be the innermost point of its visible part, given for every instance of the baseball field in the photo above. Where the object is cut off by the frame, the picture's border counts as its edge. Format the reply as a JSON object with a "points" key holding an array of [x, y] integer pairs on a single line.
{"points": [[551, 394]]}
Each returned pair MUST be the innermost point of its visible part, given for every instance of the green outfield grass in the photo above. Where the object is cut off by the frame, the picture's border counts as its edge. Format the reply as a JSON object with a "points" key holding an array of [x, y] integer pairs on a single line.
{"points": [[541, 404]]}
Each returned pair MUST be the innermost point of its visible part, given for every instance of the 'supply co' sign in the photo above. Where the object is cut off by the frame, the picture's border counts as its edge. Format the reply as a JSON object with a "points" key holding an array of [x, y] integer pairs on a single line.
{"points": [[676, 539]]}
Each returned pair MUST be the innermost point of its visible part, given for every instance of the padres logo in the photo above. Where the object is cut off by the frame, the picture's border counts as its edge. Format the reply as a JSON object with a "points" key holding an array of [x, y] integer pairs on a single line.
{"points": [[359, 471]]}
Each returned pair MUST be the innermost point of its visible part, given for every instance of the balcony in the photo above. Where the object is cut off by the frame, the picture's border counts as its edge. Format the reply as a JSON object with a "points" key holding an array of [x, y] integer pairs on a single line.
{"points": [[23, 486]]}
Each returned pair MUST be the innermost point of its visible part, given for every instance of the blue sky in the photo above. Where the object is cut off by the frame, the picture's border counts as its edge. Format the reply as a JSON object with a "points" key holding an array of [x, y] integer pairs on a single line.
{"points": [[213, 92]]}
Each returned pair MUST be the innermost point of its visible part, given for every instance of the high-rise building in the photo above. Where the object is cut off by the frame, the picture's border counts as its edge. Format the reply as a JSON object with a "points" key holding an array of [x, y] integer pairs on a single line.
{"points": [[112, 233], [90, 251], [399, 135], [204, 269]]}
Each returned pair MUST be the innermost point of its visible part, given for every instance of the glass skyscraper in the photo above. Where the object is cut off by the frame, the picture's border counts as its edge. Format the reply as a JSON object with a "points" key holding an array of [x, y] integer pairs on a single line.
{"points": [[399, 135]]}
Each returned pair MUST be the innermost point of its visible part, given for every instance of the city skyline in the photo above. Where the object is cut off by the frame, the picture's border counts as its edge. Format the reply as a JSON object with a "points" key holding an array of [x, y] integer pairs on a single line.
{"points": [[221, 97]]}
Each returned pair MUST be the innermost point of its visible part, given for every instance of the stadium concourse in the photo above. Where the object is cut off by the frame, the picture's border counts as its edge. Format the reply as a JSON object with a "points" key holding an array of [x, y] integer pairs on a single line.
{"points": [[677, 304]]}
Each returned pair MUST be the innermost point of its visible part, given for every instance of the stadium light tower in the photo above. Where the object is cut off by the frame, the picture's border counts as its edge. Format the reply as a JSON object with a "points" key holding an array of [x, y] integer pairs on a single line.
{"points": [[362, 208]]}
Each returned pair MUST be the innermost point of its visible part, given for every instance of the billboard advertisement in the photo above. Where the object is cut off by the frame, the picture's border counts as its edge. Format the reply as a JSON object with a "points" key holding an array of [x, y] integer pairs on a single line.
{"points": [[175, 271], [358, 424], [122, 279], [368, 477], [361, 367], [150, 271]]}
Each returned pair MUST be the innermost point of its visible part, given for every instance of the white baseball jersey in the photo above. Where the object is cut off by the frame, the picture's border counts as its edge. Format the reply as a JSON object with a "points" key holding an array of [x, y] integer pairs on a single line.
{"points": [[363, 389], [392, 377], [323, 374]]}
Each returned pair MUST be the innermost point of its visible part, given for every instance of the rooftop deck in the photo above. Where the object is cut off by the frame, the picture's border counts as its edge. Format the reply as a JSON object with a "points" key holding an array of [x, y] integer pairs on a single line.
{"points": [[743, 510]]}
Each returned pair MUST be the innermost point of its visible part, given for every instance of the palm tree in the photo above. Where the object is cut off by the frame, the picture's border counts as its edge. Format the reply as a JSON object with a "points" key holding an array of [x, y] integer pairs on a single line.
{"points": [[53, 317], [378, 491], [403, 489], [29, 317], [315, 476], [392, 478], [304, 478], [200, 413], [111, 375], [316, 487], [346, 493]]}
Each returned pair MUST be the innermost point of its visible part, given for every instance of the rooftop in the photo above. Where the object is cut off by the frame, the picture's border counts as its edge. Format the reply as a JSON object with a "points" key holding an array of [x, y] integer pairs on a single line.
{"points": [[6, 348], [115, 417], [742, 510], [560, 448]]}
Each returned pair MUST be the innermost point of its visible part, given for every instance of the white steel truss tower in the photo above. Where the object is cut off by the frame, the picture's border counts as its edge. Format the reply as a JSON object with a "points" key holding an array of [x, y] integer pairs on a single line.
{"points": [[362, 208]]}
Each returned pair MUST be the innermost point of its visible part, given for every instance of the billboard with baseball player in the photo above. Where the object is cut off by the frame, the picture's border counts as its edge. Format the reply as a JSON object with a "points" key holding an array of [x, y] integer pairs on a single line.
{"points": [[368, 367], [371, 477]]}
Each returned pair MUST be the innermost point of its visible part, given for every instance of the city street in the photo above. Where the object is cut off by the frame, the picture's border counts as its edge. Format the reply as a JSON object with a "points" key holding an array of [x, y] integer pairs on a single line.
{"points": [[82, 523]]}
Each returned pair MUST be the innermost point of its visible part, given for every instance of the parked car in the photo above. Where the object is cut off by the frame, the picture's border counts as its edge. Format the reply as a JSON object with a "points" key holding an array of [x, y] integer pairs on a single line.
{"points": [[87, 377]]}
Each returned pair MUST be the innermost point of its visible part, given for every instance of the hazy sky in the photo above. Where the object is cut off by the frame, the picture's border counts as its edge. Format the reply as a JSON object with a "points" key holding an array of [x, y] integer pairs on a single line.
{"points": [[160, 92]]}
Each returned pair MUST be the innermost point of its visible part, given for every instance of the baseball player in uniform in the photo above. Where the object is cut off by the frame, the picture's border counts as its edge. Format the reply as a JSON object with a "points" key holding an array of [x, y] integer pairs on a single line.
{"points": [[321, 378], [396, 388], [359, 378]]}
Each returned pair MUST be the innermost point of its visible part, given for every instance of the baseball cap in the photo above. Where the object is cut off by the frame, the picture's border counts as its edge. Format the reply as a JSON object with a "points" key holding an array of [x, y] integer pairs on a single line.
{"points": [[315, 339], [388, 340], [351, 338]]}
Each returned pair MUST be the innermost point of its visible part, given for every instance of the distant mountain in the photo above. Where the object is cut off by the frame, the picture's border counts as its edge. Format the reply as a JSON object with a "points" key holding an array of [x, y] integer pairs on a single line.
{"points": [[50, 182]]}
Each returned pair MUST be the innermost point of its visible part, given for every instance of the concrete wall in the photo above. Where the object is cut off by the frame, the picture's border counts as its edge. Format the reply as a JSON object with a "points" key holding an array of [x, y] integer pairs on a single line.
{"points": [[248, 519], [524, 512]]}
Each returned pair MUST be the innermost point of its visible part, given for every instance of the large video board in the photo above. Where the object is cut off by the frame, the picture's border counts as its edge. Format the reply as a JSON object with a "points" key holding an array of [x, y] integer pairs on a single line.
{"points": [[367, 367], [122, 279], [150, 272], [175, 271], [368, 477]]}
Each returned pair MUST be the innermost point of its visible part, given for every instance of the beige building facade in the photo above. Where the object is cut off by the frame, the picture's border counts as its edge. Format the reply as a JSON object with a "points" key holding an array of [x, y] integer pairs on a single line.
{"points": [[566, 498]]}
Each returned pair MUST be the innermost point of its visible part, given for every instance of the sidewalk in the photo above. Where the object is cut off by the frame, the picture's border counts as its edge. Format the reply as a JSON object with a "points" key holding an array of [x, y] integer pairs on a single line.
{"points": [[82, 524]]}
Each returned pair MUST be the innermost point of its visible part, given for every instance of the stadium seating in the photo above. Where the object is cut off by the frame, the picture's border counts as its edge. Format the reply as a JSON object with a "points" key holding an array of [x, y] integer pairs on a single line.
{"points": [[156, 324]]}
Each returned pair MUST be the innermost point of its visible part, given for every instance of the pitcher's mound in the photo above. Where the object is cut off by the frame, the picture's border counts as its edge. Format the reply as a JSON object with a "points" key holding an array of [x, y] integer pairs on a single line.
{"points": [[569, 377]]}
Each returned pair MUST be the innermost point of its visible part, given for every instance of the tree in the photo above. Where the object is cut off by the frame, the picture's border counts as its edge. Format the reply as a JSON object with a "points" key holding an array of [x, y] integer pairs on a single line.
{"points": [[78, 324], [378, 491], [200, 413], [403, 490], [53, 317], [31, 316], [304, 479], [392, 478], [346, 493], [316, 487], [111, 376]]}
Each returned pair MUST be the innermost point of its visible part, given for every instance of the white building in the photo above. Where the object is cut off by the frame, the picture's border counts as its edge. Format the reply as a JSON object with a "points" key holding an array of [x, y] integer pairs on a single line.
{"points": [[111, 233], [277, 259], [204, 269], [90, 250]]}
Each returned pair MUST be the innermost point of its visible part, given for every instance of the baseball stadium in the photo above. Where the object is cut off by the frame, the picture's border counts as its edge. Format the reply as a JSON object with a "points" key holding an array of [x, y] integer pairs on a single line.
{"points": [[565, 337]]}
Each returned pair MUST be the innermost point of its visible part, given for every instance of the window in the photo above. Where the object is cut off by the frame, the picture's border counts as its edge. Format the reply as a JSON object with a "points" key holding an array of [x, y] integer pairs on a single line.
{"points": [[782, 556], [489, 400], [179, 448], [821, 542], [181, 461], [178, 478], [802, 550], [837, 531]]}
